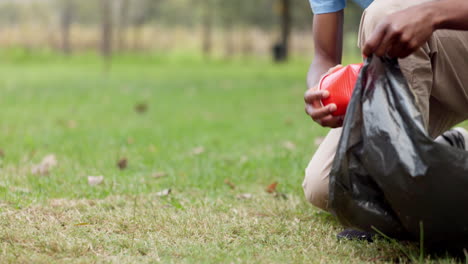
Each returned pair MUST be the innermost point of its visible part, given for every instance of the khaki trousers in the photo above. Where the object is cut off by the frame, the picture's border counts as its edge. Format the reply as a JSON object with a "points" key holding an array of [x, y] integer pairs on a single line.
{"points": [[437, 74]]}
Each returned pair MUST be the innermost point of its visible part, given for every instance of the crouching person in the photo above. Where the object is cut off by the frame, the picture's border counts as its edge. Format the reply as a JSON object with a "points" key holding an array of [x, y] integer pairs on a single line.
{"points": [[430, 38]]}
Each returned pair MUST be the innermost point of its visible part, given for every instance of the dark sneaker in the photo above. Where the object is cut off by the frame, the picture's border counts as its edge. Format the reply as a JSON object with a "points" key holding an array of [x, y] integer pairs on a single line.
{"points": [[352, 234], [456, 137]]}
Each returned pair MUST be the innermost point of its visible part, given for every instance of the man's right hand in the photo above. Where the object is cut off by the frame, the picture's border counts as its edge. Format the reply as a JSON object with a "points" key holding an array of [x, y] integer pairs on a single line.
{"points": [[319, 113]]}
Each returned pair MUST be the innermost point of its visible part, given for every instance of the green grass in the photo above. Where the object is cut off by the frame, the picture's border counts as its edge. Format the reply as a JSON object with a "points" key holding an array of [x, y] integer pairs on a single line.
{"points": [[246, 116]]}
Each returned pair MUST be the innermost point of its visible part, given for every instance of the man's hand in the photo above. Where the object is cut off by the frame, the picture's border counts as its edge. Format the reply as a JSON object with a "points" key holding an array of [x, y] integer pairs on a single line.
{"points": [[319, 113], [401, 33]]}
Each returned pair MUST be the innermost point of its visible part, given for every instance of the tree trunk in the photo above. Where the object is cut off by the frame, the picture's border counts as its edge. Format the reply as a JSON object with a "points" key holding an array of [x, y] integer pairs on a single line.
{"points": [[281, 49], [247, 46], [65, 26], [229, 46], [286, 23], [106, 29], [207, 30], [122, 25], [137, 37]]}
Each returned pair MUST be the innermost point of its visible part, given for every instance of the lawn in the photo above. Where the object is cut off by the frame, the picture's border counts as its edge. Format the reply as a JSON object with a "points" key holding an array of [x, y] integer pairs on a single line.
{"points": [[217, 134]]}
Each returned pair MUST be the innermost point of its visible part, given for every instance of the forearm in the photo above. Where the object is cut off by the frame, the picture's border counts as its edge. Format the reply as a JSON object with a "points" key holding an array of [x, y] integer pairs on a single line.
{"points": [[450, 14], [318, 67], [328, 42]]}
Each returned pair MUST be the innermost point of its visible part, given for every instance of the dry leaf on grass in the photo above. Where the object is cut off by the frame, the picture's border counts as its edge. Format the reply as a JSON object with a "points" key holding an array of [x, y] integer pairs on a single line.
{"points": [[271, 188], [122, 163], [152, 149], [72, 124], [244, 196], [2, 153], [288, 122], [164, 192], [95, 180], [243, 159], [43, 168], [318, 141], [141, 108], [289, 145], [197, 151], [159, 174], [230, 184], [82, 224]]}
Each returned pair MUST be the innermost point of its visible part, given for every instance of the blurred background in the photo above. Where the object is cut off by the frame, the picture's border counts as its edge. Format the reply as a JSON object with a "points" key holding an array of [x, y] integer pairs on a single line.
{"points": [[202, 91], [206, 28]]}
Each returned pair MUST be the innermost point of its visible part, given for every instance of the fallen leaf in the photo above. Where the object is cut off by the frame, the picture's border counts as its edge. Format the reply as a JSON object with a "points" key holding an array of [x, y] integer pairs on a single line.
{"points": [[95, 180], [130, 140], [2, 153], [197, 151], [152, 149], [72, 124], [230, 184], [82, 224], [289, 145], [43, 168], [318, 141], [243, 159], [164, 192], [141, 108], [159, 174], [122, 163], [244, 196], [271, 188]]}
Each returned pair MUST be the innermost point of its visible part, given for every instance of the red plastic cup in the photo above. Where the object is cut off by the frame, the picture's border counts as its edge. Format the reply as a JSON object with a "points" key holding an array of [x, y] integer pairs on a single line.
{"points": [[340, 83]]}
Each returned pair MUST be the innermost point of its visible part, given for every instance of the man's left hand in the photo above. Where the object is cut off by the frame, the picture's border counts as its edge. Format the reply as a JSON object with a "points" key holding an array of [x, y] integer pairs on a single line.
{"points": [[401, 33]]}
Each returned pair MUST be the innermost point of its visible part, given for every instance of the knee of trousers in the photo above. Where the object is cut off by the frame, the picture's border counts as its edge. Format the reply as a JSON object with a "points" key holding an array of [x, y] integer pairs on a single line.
{"points": [[315, 187], [379, 9]]}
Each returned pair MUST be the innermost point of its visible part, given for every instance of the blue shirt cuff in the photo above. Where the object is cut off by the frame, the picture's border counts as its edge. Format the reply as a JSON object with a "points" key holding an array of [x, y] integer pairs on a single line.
{"points": [[327, 7]]}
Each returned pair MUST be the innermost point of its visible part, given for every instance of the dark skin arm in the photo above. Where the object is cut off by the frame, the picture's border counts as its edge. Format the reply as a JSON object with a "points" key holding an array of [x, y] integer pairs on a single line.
{"points": [[328, 41], [402, 33]]}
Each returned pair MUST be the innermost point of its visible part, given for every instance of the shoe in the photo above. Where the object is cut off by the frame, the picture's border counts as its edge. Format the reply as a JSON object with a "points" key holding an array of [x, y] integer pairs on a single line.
{"points": [[352, 234], [455, 137]]}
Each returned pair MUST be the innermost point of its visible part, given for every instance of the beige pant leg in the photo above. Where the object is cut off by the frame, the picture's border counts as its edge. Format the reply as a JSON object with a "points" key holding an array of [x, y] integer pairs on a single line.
{"points": [[436, 73], [316, 175]]}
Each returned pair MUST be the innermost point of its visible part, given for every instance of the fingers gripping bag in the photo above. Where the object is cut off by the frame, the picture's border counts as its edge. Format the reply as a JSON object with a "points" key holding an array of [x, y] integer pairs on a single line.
{"points": [[388, 174]]}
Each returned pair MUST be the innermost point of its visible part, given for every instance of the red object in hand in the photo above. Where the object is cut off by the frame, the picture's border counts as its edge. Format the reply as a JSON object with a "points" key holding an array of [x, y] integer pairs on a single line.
{"points": [[340, 83]]}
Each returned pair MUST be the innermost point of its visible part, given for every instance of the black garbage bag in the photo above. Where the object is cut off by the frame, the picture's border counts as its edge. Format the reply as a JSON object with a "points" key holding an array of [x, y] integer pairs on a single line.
{"points": [[388, 174]]}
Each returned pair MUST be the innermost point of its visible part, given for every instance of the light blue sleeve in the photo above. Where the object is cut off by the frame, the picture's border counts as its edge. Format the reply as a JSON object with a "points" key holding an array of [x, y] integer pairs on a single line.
{"points": [[327, 6], [330, 6], [364, 3]]}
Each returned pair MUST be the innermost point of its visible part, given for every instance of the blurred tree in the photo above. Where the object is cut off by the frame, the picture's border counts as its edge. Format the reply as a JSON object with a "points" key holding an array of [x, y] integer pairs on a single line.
{"points": [[122, 21], [285, 25], [106, 29], [66, 19], [280, 50], [231, 15], [113, 25], [10, 13], [207, 26]]}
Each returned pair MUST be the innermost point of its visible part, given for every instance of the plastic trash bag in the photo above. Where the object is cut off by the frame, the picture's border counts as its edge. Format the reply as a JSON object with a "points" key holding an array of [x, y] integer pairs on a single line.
{"points": [[388, 174]]}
